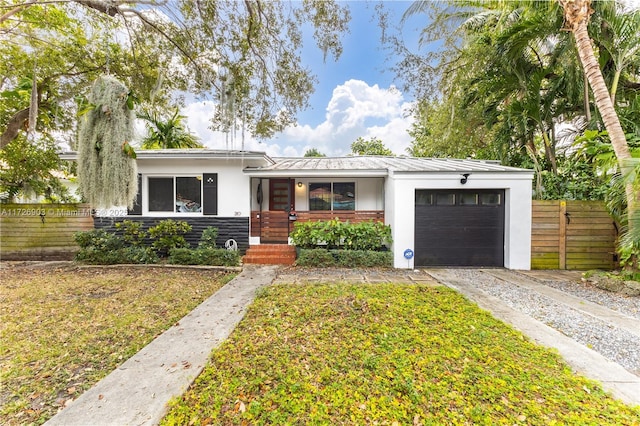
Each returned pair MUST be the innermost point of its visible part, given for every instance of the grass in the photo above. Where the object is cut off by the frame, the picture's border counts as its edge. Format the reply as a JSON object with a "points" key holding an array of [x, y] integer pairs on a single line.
{"points": [[387, 354], [62, 330]]}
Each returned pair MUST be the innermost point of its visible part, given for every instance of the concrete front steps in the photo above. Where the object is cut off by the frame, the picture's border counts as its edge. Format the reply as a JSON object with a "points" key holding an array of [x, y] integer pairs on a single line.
{"points": [[270, 254]]}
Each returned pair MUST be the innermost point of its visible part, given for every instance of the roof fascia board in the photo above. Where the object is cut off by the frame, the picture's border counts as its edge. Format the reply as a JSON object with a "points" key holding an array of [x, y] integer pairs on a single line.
{"points": [[166, 155], [315, 173]]}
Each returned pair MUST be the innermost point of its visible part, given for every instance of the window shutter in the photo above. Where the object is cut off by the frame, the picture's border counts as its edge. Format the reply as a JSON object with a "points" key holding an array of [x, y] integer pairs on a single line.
{"points": [[210, 193], [137, 204]]}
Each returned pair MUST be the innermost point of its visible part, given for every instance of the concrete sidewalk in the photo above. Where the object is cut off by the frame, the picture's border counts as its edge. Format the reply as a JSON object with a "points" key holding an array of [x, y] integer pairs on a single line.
{"points": [[137, 392]]}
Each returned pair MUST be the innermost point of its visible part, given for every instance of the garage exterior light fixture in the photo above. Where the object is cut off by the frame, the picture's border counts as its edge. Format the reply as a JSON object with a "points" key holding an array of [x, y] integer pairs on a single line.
{"points": [[465, 177]]}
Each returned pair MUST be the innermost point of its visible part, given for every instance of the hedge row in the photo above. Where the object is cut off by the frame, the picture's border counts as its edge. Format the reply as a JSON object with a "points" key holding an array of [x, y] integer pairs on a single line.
{"points": [[345, 258]]}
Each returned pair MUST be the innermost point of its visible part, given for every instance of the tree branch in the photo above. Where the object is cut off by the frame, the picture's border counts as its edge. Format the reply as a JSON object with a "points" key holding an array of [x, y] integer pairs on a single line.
{"points": [[14, 125], [15, 10]]}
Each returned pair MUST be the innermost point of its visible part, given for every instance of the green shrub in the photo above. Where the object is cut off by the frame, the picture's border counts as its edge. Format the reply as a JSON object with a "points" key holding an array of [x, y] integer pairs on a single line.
{"points": [[345, 258], [132, 232], [169, 234], [308, 235], [98, 239], [208, 238], [204, 256], [363, 258], [127, 255], [343, 235], [315, 257]]}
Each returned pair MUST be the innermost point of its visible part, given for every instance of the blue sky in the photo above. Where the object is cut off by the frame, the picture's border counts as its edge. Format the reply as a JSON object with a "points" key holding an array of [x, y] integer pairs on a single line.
{"points": [[355, 97]]}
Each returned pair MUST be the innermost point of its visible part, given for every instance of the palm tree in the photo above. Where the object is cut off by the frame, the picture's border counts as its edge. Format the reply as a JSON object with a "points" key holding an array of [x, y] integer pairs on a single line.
{"points": [[167, 133], [577, 14]]}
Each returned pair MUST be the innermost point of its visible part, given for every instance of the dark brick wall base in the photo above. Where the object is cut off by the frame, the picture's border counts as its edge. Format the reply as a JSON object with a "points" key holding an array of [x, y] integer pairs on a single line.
{"points": [[236, 228]]}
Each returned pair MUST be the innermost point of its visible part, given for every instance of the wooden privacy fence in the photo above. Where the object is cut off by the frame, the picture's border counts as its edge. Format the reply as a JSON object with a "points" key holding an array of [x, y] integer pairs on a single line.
{"points": [[572, 235], [41, 231]]}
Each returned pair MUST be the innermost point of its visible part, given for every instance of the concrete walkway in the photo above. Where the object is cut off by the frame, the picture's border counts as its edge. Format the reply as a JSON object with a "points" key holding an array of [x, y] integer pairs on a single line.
{"points": [[137, 392]]}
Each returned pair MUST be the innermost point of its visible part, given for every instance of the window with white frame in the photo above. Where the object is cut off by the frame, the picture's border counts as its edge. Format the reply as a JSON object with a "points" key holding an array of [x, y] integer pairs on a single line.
{"points": [[175, 194]]}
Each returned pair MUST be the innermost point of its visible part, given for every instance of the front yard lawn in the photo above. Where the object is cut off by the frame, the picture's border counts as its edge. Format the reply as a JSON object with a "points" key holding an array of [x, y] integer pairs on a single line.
{"points": [[391, 354], [64, 330]]}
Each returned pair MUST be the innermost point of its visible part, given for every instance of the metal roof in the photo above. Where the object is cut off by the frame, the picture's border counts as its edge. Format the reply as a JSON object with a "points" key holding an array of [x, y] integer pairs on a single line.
{"points": [[143, 154], [364, 166], [377, 165]]}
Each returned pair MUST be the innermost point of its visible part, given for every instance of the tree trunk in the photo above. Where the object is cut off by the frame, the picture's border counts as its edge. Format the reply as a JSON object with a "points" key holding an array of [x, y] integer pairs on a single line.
{"points": [[605, 105], [577, 14]]}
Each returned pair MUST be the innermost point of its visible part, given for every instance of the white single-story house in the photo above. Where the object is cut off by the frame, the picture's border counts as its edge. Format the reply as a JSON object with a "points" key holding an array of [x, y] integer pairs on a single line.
{"points": [[442, 212]]}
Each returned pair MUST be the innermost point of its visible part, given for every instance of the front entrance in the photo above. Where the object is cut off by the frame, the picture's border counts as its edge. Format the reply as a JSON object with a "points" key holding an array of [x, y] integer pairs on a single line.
{"points": [[275, 224], [459, 227]]}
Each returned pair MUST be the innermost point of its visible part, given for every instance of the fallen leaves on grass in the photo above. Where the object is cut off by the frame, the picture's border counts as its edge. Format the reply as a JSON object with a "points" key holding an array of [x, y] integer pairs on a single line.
{"points": [[386, 354], [63, 330]]}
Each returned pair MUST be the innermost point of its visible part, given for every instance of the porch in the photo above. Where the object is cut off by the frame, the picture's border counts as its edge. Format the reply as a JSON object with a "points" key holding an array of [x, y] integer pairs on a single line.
{"points": [[274, 227]]}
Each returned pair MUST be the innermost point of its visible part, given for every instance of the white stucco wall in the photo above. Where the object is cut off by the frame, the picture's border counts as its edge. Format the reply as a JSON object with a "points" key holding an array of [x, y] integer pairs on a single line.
{"points": [[233, 185], [400, 212], [369, 192]]}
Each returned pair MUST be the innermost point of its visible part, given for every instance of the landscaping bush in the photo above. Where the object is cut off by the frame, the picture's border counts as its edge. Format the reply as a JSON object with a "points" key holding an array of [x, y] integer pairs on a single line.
{"points": [[342, 235], [204, 256], [308, 235], [168, 234], [98, 239], [363, 258], [127, 255], [315, 257], [100, 247], [132, 232], [345, 258], [208, 238]]}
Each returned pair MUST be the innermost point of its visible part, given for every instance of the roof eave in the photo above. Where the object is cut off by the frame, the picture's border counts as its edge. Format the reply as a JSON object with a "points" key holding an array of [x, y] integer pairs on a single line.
{"points": [[297, 173], [187, 154]]}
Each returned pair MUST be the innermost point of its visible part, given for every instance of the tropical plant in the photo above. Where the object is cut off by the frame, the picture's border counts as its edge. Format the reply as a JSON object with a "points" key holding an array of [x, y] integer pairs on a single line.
{"points": [[169, 234], [167, 132], [133, 233], [343, 235], [208, 238], [577, 13]]}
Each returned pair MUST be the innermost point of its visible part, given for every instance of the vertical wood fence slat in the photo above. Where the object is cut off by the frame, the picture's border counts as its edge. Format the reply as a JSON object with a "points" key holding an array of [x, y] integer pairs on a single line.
{"points": [[562, 236], [572, 235]]}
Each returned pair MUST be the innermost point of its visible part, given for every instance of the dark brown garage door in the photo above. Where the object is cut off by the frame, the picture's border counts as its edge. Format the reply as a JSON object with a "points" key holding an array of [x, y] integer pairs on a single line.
{"points": [[459, 228]]}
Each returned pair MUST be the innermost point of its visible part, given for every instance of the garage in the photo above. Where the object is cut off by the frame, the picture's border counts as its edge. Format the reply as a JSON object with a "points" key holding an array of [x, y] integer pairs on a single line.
{"points": [[455, 227]]}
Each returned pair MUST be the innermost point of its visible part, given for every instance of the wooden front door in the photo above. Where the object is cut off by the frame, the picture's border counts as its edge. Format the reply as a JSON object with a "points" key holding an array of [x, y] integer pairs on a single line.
{"points": [[275, 224], [281, 195]]}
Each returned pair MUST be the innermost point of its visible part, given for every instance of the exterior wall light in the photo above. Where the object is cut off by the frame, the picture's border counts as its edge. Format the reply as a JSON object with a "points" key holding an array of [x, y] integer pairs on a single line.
{"points": [[299, 184], [465, 177]]}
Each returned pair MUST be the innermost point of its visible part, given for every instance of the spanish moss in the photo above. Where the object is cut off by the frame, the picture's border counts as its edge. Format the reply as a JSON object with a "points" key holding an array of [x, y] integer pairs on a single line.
{"points": [[106, 166]]}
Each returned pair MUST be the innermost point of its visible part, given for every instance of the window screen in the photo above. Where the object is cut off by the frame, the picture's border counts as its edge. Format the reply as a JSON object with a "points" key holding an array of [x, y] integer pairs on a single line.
{"points": [[161, 194]]}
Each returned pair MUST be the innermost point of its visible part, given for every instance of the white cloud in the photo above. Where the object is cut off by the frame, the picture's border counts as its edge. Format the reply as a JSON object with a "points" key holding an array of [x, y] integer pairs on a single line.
{"points": [[355, 110]]}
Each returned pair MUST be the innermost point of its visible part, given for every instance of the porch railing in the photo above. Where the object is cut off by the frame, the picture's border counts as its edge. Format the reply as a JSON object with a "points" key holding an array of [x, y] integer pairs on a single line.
{"points": [[274, 226]]}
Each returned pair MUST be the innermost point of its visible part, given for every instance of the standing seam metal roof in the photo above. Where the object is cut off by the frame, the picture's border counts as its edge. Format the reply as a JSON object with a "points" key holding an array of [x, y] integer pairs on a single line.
{"points": [[391, 164]]}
